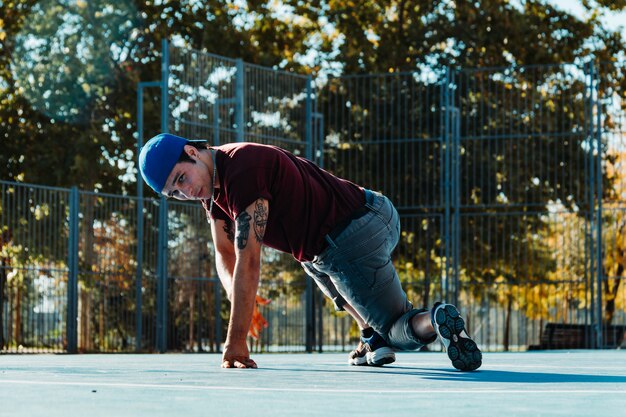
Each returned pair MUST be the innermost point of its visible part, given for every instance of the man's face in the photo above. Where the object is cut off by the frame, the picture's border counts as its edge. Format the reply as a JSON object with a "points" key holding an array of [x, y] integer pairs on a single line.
{"points": [[189, 181]]}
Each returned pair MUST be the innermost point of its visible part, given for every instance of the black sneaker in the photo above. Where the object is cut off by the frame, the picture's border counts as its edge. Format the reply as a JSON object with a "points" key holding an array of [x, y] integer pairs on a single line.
{"points": [[450, 327], [372, 351]]}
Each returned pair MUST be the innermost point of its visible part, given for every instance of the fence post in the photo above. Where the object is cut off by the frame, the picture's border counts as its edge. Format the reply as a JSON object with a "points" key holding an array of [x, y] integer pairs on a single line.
{"points": [[598, 206], [72, 279], [239, 102], [318, 138], [456, 203], [139, 272], [308, 308], [139, 253], [446, 183], [594, 259], [217, 290], [319, 304], [308, 117], [165, 78], [161, 334]]}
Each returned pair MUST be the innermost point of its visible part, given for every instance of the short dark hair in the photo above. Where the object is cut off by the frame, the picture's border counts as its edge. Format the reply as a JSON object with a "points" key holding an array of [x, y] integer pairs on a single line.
{"points": [[183, 155]]}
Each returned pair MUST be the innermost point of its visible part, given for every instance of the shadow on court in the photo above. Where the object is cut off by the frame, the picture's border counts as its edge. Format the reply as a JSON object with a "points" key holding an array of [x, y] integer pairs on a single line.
{"points": [[521, 377], [484, 375]]}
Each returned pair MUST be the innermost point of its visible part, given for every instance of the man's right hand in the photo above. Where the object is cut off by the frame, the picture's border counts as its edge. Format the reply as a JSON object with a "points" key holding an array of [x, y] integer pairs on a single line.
{"points": [[236, 355]]}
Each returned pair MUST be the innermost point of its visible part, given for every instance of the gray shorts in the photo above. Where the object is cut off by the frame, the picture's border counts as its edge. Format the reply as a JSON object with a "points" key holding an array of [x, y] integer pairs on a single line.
{"points": [[356, 268]]}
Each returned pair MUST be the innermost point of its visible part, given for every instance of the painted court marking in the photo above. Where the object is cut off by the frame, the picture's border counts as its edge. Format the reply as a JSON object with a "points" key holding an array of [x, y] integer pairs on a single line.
{"points": [[183, 387]]}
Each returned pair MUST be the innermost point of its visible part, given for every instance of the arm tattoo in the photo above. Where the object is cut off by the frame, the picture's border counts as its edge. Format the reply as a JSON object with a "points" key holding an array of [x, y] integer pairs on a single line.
{"points": [[230, 230], [260, 220], [243, 229]]}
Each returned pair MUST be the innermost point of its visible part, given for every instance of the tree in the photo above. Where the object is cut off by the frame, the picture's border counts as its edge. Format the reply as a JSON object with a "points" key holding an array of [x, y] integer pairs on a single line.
{"points": [[414, 40], [65, 81]]}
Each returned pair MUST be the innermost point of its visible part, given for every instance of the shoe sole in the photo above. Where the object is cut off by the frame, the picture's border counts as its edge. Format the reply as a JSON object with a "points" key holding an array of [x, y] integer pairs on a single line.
{"points": [[462, 351], [381, 356]]}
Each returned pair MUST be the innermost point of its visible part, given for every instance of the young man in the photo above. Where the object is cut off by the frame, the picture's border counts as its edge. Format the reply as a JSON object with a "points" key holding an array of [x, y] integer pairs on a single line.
{"points": [[342, 234]]}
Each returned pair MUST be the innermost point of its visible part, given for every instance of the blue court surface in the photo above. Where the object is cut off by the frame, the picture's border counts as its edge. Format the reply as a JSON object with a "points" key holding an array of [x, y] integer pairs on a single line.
{"points": [[555, 383]]}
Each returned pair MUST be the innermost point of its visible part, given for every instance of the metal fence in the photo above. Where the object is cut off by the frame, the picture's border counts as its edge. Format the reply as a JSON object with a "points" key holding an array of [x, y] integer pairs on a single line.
{"points": [[525, 169], [509, 182], [70, 278], [33, 267]]}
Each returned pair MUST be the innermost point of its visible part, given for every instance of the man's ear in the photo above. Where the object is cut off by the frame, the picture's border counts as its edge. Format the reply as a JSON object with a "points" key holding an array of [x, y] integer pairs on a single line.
{"points": [[191, 151]]}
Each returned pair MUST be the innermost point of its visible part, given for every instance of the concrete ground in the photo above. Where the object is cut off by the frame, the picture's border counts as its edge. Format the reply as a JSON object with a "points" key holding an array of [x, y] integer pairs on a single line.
{"points": [[555, 383]]}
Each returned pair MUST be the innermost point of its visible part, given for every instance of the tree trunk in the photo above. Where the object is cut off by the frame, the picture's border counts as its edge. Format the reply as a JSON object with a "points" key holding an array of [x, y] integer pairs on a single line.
{"points": [[85, 339]]}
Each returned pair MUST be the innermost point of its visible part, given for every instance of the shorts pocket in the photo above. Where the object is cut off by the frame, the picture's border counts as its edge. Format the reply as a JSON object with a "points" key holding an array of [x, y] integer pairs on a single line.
{"points": [[384, 275], [372, 270]]}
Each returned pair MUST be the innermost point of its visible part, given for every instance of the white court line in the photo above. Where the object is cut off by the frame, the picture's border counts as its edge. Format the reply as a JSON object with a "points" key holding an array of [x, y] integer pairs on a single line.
{"points": [[183, 387], [417, 364]]}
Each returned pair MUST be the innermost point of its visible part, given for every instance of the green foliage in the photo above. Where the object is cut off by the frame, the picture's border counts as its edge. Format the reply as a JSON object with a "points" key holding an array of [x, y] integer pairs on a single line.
{"points": [[384, 36], [75, 123], [69, 118]]}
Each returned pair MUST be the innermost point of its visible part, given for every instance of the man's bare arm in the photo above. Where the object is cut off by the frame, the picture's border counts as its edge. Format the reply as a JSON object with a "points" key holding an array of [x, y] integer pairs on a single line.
{"points": [[249, 232], [223, 233]]}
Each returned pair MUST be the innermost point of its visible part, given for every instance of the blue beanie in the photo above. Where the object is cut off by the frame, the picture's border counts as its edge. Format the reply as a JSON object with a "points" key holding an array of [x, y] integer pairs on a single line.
{"points": [[158, 157]]}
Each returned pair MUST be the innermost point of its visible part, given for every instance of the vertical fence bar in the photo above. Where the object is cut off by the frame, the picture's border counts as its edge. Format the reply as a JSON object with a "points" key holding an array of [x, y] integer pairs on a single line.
{"points": [[595, 318], [589, 247], [447, 178], [162, 246], [165, 78], [140, 238], [598, 209], [308, 119], [216, 123], [239, 102], [162, 304], [309, 302], [309, 325], [320, 320], [72, 278], [455, 201], [139, 253], [217, 289]]}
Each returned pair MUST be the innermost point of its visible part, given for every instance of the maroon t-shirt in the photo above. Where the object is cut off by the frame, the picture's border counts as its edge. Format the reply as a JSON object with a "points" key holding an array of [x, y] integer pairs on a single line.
{"points": [[305, 202]]}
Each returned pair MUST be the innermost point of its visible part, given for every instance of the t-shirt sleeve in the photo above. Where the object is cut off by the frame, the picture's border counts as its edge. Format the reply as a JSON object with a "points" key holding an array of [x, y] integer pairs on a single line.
{"points": [[246, 188]]}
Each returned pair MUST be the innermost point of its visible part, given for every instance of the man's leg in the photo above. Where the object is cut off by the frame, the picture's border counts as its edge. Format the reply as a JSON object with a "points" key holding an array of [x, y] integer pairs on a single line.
{"points": [[372, 349], [422, 326], [359, 263]]}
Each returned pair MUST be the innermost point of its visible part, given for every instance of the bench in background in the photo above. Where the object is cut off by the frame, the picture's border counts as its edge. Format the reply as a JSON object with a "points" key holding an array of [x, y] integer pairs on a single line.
{"points": [[577, 336]]}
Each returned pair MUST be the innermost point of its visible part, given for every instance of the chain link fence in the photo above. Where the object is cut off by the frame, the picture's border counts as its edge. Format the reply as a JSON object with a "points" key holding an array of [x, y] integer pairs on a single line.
{"points": [[509, 182]]}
